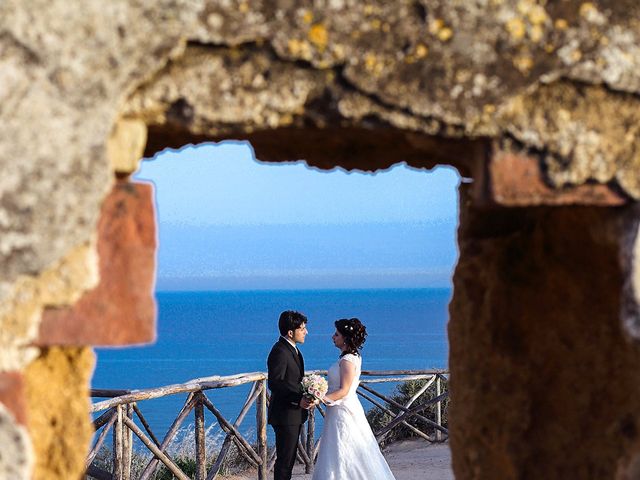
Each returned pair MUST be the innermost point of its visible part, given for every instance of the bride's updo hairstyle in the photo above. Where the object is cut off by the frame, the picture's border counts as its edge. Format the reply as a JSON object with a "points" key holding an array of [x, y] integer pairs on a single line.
{"points": [[354, 333]]}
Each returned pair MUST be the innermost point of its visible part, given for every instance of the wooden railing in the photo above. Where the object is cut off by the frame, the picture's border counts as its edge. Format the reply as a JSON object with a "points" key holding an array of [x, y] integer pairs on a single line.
{"points": [[120, 410]]}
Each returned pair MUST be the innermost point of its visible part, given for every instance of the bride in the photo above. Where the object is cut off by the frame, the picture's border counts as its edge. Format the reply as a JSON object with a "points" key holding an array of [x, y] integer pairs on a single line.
{"points": [[348, 449]]}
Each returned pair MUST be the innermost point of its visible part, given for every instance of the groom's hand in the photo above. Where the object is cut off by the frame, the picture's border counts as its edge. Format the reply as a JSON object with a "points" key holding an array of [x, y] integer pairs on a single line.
{"points": [[305, 403]]}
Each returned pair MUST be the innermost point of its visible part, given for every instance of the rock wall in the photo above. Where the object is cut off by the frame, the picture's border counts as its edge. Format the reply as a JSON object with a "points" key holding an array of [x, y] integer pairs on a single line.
{"points": [[59, 379], [544, 379], [535, 101]]}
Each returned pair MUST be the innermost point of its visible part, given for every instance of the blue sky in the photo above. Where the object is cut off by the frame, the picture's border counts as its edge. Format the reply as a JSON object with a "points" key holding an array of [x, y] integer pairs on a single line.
{"points": [[227, 221]]}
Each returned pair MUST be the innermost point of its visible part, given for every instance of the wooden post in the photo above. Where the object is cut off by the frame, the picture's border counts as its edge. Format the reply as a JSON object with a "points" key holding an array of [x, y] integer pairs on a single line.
{"points": [[173, 430], [242, 443], [302, 447], [201, 461], [101, 438], [311, 433], [173, 468], [438, 409], [228, 440], [127, 443], [117, 445], [261, 424]]}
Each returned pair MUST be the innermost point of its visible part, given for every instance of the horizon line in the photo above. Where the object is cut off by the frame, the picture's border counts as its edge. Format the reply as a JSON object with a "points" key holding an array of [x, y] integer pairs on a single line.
{"points": [[322, 289]]}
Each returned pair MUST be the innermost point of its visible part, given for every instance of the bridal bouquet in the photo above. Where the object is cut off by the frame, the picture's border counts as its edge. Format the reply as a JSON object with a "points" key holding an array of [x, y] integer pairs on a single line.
{"points": [[314, 386]]}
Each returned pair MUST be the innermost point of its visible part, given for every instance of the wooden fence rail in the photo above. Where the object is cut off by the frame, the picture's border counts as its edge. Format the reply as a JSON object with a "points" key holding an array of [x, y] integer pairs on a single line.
{"points": [[122, 414]]}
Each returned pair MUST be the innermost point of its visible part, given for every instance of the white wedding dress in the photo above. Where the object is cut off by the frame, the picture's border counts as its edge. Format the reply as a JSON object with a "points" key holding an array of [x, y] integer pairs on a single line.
{"points": [[348, 449]]}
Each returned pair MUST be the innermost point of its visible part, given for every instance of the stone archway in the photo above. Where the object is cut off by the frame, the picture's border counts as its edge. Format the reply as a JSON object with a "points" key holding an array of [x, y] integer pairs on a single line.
{"points": [[536, 103]]}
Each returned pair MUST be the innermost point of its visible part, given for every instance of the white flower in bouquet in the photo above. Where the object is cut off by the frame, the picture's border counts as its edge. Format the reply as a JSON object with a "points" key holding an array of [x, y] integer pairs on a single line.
{"points": [[314, 386]]}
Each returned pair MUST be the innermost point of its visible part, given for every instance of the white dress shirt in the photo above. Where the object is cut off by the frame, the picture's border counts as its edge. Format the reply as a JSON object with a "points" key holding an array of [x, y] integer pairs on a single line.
{"points": [[293, 344]]}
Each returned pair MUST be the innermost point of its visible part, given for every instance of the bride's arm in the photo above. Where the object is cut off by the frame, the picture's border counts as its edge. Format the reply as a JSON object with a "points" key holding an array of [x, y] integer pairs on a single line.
{"points": [[347, 375]]}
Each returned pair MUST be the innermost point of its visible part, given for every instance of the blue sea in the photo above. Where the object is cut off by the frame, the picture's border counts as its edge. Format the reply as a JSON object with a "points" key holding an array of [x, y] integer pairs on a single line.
{"points": [[227, 332]]}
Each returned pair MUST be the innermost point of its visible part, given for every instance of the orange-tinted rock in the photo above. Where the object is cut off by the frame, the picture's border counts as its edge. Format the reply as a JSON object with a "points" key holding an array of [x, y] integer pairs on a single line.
{"points": [[12, 395], [57, 397], [516, 180], [121, 309]]}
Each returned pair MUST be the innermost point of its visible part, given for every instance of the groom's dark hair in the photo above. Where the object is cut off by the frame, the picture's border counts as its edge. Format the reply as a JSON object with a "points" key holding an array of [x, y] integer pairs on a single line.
{"points": [[290, 320]]}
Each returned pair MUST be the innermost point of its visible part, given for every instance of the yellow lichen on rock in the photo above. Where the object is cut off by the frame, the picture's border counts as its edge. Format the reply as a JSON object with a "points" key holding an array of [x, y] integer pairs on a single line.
{"points": [[524, 63], [371, 9], [286, 119], [421, 50], [442, 31], [445, 34], [489, 109], [536, 32], [318, 36], [299, 48], [435, 25], [529, 21], [591, 14], [587, 9], [516, 28], [537, 15], [57, 392], [307, 16], [373, 63]]}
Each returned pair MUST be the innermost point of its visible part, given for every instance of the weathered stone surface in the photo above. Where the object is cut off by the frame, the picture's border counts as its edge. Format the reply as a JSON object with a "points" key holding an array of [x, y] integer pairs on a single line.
{"points": [[516, 179], [64, 73], [57, 390], [444, 68], [126, 145], [120, 310], [537, 342], [16, 460], [210, 88], [62, 284], [587, 133]]}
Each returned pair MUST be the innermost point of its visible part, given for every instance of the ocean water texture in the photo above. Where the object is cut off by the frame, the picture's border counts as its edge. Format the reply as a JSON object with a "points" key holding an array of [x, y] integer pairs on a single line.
{"points": [[227, 332]]}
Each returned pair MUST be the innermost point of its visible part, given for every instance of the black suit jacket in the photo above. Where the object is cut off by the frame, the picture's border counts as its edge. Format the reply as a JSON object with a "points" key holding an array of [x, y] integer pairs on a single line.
{"points": [[286, 369]]}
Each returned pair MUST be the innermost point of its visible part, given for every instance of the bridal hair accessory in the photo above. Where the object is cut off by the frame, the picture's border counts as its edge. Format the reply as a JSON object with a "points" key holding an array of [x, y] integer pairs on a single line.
{"points": [[351, 324], [314, 386]]}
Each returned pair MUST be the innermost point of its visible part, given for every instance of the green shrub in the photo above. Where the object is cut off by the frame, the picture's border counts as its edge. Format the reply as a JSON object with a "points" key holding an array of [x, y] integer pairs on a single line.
{"points": [[233, 463], [186, 464]]}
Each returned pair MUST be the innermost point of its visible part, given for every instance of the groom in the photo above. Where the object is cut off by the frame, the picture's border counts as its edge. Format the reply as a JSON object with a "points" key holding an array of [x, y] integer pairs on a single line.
{"points": [[288, 408]]}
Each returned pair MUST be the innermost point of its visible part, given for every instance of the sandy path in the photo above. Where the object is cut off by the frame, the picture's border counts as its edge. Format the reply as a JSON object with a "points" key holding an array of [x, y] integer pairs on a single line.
{"points": [[409, 460], [416, 459]]}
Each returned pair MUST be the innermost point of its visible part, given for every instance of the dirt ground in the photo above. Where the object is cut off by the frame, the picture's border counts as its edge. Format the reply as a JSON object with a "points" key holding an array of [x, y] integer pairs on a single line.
{"points": [[409, 460]]}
